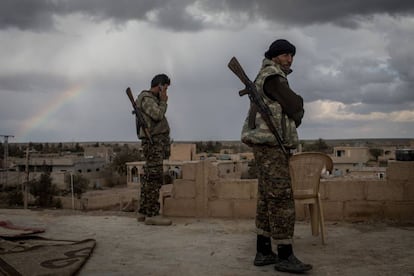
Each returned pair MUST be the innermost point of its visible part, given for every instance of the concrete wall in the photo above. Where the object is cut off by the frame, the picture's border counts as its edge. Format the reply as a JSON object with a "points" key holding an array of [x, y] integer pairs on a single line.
{"points": [[351, 155], [201, 193], [182, 152], [96, 200], [96, 179], [190, 194], [231, 169], [346, 159]]}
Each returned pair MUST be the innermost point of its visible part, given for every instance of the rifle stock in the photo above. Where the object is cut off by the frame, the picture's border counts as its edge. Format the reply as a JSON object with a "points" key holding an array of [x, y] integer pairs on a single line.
{"points": [[138, 115], [256, 99], [235, 66]]}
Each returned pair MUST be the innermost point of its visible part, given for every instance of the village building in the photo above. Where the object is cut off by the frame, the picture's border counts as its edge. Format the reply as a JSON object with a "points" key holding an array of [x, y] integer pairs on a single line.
{"points": [[219, 185]]}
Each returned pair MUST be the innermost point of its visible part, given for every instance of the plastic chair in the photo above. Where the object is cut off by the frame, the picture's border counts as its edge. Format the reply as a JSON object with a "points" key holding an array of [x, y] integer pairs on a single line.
{"points": [[305, 171]]}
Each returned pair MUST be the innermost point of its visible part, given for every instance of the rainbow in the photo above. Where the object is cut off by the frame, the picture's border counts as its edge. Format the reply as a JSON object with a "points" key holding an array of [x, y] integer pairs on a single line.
{"points": [[47, 111]]}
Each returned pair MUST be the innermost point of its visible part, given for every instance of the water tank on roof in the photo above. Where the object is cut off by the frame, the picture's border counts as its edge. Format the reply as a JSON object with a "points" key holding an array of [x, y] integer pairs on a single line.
{"points": [[404, 154]]}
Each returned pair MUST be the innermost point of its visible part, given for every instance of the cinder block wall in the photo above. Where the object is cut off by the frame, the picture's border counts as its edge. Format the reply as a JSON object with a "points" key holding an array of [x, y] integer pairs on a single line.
{"points": [[189, 194], [202, 194], [94, 200]]}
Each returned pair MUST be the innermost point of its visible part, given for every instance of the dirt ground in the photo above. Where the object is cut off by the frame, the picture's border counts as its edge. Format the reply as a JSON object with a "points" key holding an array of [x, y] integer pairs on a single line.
{"points": [[220, 247]]}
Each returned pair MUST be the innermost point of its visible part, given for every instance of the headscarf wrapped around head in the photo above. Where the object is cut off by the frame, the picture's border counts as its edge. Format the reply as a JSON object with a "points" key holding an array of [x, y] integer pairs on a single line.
{"points": [[279, 47]]}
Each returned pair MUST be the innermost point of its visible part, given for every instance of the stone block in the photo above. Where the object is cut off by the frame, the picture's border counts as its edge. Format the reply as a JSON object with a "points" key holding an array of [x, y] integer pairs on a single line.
{"points": [[362, 210], [400, 170], [189, 170], [202, 187], [333, 210], [345, 190], [212, 172], [184, 188], [401, 211], [408, 187], [254, 184], [221, 208], [245, 208], [234, 189], [183, 207], [382, 190], [212, 190]]}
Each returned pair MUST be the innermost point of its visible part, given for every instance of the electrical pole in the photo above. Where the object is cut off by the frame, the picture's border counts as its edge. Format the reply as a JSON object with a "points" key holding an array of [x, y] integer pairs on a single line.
{"points": [[5, 160], [26, 184]]}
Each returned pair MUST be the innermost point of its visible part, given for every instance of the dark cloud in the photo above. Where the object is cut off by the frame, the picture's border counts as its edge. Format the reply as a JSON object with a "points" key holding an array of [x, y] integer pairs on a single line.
{"points": [[26, 14], [29, 82], [354, 71], [357, 80], [175, 14], [402, 53], [38, 14], [303, 12]]}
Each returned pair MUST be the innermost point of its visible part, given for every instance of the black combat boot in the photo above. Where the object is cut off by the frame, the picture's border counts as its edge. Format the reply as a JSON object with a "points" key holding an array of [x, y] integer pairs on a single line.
{"points": [[288, 262], [264, 254]]}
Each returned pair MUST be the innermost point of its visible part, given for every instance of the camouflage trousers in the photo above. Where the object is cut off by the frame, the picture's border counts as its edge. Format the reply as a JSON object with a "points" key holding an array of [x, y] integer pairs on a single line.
{"points": [[275, 215], [153, 174]]}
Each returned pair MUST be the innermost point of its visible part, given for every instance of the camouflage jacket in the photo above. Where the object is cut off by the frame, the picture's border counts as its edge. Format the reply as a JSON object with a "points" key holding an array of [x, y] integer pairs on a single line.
{"points": [[284, 125], [153, 111]]}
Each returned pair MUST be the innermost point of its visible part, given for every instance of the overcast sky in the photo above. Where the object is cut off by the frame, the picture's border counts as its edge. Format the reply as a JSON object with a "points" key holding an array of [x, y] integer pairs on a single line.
{"points": [[65, 65]]}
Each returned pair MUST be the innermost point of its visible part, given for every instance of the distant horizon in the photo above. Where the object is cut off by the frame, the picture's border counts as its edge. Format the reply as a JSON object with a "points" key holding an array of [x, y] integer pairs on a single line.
{"points": [[194, 141]]}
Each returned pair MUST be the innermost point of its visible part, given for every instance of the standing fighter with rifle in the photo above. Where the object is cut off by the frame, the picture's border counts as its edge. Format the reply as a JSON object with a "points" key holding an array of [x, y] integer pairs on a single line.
{"points": [[139, 118], [270, 129], [154, 131]]}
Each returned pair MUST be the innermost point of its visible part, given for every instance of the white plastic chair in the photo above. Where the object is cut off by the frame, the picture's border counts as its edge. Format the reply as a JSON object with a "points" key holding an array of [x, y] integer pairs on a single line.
{"points": [[305, 171]]}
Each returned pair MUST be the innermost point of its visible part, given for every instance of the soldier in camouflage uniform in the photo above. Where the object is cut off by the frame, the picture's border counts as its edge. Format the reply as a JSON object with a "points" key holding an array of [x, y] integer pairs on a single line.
{"points": [[153, 105], [275, 215]]}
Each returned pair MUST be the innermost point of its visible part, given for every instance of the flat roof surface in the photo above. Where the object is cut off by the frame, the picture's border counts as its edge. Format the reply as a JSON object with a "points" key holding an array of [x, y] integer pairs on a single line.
{"points": [[206, 246]]}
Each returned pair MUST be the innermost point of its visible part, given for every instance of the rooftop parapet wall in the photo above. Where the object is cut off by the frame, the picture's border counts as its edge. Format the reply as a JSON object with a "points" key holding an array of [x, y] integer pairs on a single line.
{"points": [[400, 171], [202, 194]]}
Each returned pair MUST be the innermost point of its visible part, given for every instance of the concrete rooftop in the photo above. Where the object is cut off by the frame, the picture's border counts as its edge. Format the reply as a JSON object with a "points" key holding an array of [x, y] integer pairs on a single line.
{"points": [[220, 247]]}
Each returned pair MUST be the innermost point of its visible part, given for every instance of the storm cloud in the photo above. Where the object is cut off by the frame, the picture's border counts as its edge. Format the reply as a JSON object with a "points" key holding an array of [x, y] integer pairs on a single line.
{"points": [[353, 65], [185, 15]]}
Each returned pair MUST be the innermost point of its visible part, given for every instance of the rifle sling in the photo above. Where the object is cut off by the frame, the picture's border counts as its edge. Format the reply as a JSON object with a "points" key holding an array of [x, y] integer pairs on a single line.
{"points": [[283, 126], [252, 125], [252, 115]]}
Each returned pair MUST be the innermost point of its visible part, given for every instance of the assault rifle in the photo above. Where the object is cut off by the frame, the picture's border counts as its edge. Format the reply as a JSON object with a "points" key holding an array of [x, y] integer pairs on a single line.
{"points": [[256, 99], [138, 115]]}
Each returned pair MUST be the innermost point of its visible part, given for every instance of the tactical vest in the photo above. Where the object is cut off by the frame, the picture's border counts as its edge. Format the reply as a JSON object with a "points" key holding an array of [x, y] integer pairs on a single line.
{"points": [[155, 127], [260, 133]]}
